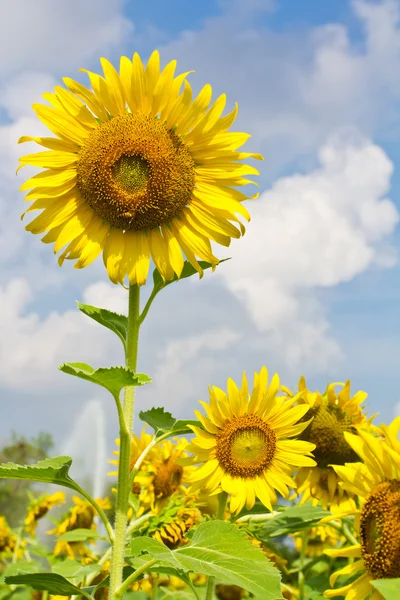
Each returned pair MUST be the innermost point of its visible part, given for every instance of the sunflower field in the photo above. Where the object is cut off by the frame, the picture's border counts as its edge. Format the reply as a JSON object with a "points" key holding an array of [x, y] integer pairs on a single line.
{"points": [[268, 492]]}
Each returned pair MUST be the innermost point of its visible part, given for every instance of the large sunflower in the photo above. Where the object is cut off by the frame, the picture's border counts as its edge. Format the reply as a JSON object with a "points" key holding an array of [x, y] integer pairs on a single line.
{"points": [[138, 169], [245, 445], [334, 413], [377, 483]]}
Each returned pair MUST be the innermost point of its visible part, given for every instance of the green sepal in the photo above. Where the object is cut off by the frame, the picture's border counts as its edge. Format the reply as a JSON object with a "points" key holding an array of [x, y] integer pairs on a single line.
{"points": [[114, 379], [187, 271], [163, 422], [51, 582], [113, 321], [388, 588]]}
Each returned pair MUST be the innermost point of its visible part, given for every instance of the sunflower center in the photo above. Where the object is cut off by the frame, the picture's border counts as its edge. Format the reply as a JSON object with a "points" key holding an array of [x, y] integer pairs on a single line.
{"points": [[135, 173], [326, 432], [380, 530], [168, 478], [245, 446]]}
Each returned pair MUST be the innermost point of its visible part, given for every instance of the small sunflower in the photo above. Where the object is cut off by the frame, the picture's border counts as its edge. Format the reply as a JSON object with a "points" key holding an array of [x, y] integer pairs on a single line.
{"points": [[80, 516], [8, 541], [39, 508], [333, 414], [245, 444], [377, 483], [138, 169], [160, 475]]}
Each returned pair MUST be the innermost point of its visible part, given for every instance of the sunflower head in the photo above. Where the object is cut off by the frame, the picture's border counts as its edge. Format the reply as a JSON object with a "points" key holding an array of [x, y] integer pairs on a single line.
{"points": [[376, 481], [8, 541], [229, 592], [333, 414], [39, 508], [138, 170], [318, 538], [245, 444]]}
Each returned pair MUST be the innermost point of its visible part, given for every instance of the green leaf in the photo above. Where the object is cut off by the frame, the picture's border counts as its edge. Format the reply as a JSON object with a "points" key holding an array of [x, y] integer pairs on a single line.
{"points": [[113, 321], [291, 519], [72, 569], [187, 271], [162, 422], [389, 588], [219, 549], [177, 594], [80, 535], [51, 582], [114, 379], [50, 470]]}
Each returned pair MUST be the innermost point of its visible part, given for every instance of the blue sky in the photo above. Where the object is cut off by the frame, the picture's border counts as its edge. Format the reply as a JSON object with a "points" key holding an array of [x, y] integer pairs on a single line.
{"points": [[314, 286]]}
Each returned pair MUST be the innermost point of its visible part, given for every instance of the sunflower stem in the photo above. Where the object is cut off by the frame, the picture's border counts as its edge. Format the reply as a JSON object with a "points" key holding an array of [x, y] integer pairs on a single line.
{"points": [[126, 426], [222, 499], [301, 578]]}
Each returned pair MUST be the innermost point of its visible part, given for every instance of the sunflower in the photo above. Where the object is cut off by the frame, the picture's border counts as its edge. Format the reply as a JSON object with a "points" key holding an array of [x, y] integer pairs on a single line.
{"points": [[334, 413], [377, 483], [39, 508], [80, 516], [160, 475], [138, 169], [245, 444], [8, 541]]}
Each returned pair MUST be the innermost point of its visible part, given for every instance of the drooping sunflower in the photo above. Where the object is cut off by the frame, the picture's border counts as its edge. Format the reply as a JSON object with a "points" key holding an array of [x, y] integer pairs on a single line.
{"points": [[246, 444], [333, 414], [377, 483], [80, 516], [39, 507], [138, 169]]}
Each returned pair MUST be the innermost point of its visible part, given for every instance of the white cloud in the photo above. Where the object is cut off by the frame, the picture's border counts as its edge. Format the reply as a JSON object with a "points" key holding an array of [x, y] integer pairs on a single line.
{"points": [[308, 232], [57, 35]]}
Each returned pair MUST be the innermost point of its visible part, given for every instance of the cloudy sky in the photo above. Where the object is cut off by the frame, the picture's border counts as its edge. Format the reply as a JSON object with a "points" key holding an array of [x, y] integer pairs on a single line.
{"points": [[314, 286]]}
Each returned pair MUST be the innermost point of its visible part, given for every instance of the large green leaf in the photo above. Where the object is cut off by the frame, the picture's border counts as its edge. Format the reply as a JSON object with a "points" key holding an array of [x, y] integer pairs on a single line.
{"points": [[113, 321], [291, 519], [163, 422], [389, 588], [114, 379], [50, 470], [81, 535], [219, 549], [72, 569], [51, 582]]}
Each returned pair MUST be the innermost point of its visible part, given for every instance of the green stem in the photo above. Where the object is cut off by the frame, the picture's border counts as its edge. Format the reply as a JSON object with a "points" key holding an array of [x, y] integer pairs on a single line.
{"points": [[222, 499], [126, 425], [99, 510], [148, 304], [132, 578], [301, 578]]}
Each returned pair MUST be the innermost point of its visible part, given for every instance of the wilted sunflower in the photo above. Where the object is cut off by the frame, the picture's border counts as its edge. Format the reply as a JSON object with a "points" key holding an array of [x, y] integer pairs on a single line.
{"points": [[245, 444], [377, 483], [39, 507], [80, 516], [333, 414], [138, 169]]}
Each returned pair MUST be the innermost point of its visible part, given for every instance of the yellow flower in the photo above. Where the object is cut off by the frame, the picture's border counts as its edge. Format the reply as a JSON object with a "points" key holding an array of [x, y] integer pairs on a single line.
{"points": [[8, 541], [377, 484], [334, 413], [391, 433], [39, 508], [160, 474], [318, 539], [80, 516], [137, 170], [245, 444]]}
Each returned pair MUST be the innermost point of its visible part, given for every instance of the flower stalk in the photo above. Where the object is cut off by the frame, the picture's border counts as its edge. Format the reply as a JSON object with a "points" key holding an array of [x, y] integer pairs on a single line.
{"points": [[126, 426]]}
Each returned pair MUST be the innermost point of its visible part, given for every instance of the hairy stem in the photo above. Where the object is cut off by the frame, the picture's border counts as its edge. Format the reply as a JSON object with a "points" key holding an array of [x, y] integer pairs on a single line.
{"points": [[222, 499], [126, 426]]}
